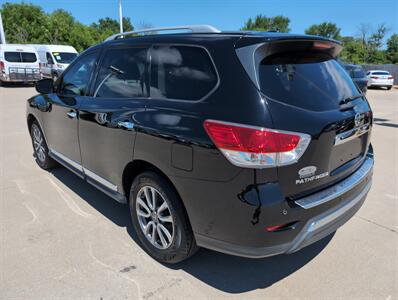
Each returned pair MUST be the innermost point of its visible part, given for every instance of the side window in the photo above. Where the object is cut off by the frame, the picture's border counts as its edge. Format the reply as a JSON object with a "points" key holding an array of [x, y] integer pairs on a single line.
{"points": [[181, 72], [122, 74], [12, 56], [75, 81], [49, 59]]}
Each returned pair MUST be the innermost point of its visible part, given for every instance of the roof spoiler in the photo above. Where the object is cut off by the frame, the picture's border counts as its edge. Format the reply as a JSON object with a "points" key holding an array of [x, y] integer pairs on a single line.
{"points": [[254, 50]]}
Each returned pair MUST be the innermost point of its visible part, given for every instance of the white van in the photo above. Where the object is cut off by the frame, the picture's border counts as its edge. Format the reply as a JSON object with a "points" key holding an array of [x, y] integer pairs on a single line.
{"points": [[54, 59], [18, 63]]}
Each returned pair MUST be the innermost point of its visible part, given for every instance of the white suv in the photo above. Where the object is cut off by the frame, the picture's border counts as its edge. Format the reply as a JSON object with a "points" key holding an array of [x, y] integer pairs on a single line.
{"points": [[380, 78]]}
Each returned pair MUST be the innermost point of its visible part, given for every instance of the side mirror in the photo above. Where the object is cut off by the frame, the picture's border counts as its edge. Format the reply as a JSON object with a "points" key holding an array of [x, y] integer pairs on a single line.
{"points": [[45, 86]]}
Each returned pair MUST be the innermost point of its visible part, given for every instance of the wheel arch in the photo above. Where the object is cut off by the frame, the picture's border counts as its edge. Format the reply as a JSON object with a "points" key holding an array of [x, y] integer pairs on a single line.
{"points": [[136, 167]]}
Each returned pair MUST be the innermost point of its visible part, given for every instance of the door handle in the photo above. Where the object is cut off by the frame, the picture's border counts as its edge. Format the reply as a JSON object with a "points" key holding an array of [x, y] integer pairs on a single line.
{"points": [[126, 125], [72, 114]]}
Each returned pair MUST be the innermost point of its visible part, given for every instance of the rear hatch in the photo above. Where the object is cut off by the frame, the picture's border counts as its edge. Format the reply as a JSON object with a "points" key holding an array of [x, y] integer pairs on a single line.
{"points": [[308, 91], [21, 65]]}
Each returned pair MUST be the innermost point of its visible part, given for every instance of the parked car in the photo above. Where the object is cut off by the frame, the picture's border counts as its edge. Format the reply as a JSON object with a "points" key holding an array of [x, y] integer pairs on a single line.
{"points": [[208, 146], [54, 59], [380, 78], [18, 63], [358, 76]]}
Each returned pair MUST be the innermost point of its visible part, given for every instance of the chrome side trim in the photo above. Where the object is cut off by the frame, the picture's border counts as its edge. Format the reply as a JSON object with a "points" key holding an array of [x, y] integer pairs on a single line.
{"points": [[87, 172], [100, 180], [315, 225], [74, 164], [338, 189]]}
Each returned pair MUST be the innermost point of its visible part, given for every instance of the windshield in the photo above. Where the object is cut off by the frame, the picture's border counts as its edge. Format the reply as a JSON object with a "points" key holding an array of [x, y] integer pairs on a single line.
{"points": [[316, 83], [64, 57], [380, 73]]}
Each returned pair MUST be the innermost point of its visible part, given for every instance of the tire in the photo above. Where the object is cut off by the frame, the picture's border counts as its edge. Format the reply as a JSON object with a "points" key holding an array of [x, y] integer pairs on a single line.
{"points": [[182, 243], [40, 148], [389, 88]]}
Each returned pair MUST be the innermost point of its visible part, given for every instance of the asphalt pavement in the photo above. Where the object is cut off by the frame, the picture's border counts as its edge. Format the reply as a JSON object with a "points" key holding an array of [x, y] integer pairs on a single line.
{"points": [[61, 238]]}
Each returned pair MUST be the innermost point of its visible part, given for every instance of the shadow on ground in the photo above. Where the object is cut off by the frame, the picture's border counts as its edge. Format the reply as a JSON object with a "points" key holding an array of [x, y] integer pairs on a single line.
{"points": [[227, 273], [16, 85]]}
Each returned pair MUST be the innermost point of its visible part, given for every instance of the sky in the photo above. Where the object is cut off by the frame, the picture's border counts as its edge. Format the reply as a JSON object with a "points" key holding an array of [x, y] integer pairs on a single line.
{"points": [[232, 14]]}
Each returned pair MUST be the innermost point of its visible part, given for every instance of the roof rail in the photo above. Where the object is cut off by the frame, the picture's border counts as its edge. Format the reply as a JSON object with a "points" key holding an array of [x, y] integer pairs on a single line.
{"points": [[192, 28]]}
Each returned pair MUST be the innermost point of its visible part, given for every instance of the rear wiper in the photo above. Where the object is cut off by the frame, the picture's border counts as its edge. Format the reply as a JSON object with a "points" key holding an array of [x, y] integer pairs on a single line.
{"points": [[349, 99]]}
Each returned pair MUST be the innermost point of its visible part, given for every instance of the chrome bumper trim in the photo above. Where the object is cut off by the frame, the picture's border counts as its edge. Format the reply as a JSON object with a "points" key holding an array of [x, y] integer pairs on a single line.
{"points": [[338, 189], [315, 225]]}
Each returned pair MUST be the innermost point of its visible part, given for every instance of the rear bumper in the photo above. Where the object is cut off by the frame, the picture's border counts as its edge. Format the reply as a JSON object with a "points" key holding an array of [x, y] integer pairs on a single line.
{"points": [[316, 227], [385, 83]]}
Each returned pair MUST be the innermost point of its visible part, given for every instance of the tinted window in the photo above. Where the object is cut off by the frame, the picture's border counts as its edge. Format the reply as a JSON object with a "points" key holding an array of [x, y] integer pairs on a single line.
{"points": [[64, 57], [307, 82], [122, 73], [12, 56], [357, 73], [180, 72], [75, 81], [380, 73], [28, 57]]}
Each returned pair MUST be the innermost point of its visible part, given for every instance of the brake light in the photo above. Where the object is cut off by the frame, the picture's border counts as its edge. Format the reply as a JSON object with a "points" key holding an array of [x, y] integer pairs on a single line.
{"points": [[2, 67], [390, 77], [374, 77], [321, 45], [256, 147]]}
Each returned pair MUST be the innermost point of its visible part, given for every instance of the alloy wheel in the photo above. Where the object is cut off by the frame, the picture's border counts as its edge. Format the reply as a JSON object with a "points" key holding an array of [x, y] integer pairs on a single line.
{"points": [[38, 143], [154, 217]]}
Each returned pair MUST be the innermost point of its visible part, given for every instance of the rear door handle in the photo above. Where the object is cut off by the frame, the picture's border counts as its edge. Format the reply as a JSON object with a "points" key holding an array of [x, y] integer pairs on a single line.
{"points": [[126, 125], [71, 114]]}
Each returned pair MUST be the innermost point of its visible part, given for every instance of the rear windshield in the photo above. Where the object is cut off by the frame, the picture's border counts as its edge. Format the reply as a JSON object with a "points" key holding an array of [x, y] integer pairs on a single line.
{"points": [[64, 57], [357, 73], [313, 83], [380, 73], [19, 57]]}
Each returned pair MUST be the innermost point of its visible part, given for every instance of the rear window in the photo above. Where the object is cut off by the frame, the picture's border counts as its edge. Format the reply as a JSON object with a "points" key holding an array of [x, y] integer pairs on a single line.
{"points": [[310, 82], [181, 72], [380, 73], [28, 57], [12, 56], [64, 57], [18, 57], [357, 73]]}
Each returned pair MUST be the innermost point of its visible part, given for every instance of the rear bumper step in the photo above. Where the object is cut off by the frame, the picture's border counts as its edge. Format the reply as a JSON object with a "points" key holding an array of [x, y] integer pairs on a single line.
{"points": [[361, 175]]}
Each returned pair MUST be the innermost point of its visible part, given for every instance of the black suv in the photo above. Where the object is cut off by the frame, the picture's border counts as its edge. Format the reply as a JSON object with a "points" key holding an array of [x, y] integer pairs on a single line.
{"points": [[248, 143]]}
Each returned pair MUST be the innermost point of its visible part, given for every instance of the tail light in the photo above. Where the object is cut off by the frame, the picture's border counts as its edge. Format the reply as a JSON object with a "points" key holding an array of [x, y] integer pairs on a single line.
{"points": [[390, 77], [374, 77], [321, 45], [2, 67], [256, 147]]}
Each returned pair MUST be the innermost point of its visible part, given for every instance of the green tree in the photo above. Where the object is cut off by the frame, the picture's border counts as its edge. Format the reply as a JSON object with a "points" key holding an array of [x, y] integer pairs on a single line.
{"points": [[392, 49], [24, 23], [353, 50], [326, 29], [264, 23], [108, 26]]}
